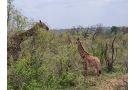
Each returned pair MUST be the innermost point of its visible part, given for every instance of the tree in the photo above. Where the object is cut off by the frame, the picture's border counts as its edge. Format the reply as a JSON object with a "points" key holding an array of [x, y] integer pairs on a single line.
{"points": [[110, 60], [114, 29], [124, 29], [15, 20], [10, 8], [97, 30]]}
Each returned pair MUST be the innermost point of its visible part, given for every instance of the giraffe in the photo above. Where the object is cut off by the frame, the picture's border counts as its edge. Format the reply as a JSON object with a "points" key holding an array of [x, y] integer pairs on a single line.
{"points": [[89, 60], [14, 42]]}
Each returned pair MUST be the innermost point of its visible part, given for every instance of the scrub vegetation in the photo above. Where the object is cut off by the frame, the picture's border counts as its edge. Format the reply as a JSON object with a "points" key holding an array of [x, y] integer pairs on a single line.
{"points": [[49, 59]]}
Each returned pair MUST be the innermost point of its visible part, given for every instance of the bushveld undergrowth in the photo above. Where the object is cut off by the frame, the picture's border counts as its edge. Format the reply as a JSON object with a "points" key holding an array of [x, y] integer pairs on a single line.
{"points": [[51, 61]]}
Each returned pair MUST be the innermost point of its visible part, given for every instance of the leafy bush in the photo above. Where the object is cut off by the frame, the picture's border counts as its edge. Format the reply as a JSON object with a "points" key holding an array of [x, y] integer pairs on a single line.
{"points": [[67, 79], [51, 61]]}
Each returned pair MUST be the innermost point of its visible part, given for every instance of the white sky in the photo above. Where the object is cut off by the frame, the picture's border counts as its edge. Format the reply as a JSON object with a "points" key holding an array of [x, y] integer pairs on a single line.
{"points": [[68, 13]]}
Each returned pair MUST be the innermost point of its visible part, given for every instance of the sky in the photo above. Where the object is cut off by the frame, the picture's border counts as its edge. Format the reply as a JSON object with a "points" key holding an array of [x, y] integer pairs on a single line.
{"points": [[68, 13]]}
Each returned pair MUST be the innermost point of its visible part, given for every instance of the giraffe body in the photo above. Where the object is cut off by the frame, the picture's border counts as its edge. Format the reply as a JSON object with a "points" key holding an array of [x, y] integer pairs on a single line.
{"points": [[89, 60], [14, 42]]}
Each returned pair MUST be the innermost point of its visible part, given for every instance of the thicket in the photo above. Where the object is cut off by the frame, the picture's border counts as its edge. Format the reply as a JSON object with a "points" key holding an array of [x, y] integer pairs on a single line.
{"points": [[51, 60]]}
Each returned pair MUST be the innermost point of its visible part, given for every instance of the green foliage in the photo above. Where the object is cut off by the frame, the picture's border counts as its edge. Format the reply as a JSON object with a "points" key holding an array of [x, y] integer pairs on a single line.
{"points": [[50, 61], [67, 79], [122, 29], [114, 29], [33, 85], [100, 54], [15, 20]]}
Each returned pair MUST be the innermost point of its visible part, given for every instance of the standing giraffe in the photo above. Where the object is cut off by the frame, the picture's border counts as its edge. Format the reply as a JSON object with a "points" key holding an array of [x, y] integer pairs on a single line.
{"points": [[13, 44], [89, 60]]}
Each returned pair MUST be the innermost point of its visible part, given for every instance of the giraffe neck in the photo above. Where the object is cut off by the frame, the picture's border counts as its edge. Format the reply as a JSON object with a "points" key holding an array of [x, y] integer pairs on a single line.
{"points": [[19, 38], [28, 33], [81, 50]]}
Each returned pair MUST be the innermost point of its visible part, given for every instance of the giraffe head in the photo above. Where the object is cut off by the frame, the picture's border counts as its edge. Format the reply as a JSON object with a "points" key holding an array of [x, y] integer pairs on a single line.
{"points": [[78, 40], [41, 25], [36, 27]]}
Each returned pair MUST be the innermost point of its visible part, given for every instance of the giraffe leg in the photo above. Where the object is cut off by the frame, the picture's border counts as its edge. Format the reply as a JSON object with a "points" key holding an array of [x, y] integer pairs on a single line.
{"points": [[97, 71], [85, 70], [97, 68]]}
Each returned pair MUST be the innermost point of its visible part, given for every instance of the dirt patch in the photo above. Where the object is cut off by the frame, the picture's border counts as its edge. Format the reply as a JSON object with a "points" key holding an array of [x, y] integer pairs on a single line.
{"points": [[119, 83]]}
